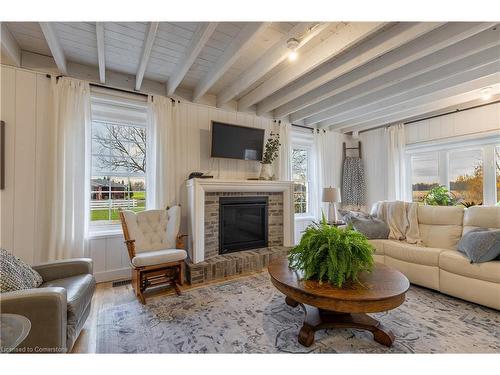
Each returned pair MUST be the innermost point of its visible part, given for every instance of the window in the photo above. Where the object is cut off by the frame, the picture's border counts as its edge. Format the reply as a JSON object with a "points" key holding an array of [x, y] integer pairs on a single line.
{"points": [[497, 168], [118, 160], [466, 175], [424, 174], [300, 176], [469, 170]]}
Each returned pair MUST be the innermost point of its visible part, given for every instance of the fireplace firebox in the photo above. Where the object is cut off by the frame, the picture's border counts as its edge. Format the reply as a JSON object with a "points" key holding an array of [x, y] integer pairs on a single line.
{"points": [[243, 223]]}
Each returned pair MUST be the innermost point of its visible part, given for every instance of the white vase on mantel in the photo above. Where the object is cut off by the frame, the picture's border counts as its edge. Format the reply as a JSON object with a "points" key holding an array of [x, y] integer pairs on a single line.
{"points": [[266, 171]]}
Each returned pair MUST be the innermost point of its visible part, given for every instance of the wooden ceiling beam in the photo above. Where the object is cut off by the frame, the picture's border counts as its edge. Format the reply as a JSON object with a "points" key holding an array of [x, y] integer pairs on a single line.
{"points": [[55, 46], [382, 43], [146, 52], [446, 98], [318, 100], [232, 53], [10, 48], [419, 73], [101, 57], [344, 36], [461, 72], [199, 40], [303, 31]]}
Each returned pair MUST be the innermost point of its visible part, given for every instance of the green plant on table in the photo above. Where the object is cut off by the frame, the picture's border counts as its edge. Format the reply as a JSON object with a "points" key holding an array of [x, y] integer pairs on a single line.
{"points": [[440, 196], [327, 253]]}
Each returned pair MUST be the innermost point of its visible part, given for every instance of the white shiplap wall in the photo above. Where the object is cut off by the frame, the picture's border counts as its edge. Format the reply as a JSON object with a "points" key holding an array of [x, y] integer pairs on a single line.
{"points": [[472, 122], [25, 110], [25, 107]]}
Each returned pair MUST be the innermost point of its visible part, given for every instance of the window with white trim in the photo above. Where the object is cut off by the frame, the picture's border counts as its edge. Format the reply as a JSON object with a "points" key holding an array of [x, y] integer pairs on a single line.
{"points": [[302, 162], [424, 174], [466, 175], [118, 158], [300, 176], [469, 170]]}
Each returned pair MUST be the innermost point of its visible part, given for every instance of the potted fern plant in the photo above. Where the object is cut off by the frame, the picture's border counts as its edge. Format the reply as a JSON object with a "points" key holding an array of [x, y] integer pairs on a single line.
{"points": [[335, 255], [270, 154]]}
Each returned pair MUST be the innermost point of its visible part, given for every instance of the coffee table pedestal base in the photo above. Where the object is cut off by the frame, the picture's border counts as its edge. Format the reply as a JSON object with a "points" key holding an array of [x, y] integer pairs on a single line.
{"points": [[317, 319]]}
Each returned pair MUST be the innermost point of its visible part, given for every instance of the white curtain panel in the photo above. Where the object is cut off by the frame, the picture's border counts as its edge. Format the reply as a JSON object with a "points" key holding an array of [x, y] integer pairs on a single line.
{"points": [[327, 168], [160, 162], [70, 170], [285, 165], [374, 145], [396, 174]]}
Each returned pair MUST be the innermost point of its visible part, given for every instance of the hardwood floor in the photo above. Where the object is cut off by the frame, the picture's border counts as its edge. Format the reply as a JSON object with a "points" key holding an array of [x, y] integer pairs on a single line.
{"points": [[107, 296]]}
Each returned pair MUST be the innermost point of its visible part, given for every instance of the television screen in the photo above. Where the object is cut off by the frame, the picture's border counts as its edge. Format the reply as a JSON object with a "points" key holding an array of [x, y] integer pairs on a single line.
{"points": [[236, 142]]}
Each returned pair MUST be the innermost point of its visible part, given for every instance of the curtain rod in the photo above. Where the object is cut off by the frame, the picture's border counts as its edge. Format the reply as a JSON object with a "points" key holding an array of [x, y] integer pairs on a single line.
{"points": [[115, 88], [434, 116], [304, 127]]}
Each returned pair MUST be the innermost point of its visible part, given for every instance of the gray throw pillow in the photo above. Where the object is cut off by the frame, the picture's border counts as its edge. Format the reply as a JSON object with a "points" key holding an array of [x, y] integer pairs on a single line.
{"points": [[480, 245], [371, 227], [348, 215], [15, 274]]}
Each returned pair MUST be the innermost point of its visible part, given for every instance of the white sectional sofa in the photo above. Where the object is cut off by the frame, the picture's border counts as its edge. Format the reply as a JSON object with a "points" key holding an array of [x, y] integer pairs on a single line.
{"points": [[437, 264]]}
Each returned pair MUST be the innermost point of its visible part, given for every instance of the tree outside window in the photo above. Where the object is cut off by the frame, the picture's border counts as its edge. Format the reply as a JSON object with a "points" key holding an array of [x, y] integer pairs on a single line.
{"points": [[118, 170], [466, 176]]}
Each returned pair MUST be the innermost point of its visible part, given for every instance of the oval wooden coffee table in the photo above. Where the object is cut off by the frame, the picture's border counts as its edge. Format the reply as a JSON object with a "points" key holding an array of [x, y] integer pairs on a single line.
{"points": [[326, 306]]}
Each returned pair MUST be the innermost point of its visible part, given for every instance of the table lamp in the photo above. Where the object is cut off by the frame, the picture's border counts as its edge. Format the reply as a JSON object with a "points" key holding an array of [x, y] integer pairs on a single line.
{"points": [[331, 195]]}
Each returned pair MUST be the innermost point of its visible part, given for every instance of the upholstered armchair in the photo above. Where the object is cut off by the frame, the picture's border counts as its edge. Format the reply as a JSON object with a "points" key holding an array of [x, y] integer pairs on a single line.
{"points": [[152, 238], [57, 309]]}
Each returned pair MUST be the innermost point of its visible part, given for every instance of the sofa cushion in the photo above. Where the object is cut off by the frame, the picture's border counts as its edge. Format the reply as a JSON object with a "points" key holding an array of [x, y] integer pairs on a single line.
{"points": [[481, 217], [481, 245], [427, 256], [457, 263], [152, 258], [16, 274], [379, 246], [440, 227], [79, 291]]}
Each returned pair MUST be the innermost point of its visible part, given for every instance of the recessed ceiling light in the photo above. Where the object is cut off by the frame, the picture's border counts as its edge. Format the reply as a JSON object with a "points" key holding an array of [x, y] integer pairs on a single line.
{"points": [[292, 45], [486, 93]]}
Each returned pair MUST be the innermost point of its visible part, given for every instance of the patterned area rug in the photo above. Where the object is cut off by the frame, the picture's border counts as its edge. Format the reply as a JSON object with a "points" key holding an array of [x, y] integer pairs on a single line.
{"points": [[248, 315]]}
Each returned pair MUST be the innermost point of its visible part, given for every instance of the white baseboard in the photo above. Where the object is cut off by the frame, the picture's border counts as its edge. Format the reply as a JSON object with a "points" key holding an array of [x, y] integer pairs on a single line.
{"points": [[112, 275]]}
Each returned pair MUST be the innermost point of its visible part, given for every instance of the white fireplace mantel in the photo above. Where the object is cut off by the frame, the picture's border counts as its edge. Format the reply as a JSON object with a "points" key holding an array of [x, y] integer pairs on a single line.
{"points": [[196, 207]]}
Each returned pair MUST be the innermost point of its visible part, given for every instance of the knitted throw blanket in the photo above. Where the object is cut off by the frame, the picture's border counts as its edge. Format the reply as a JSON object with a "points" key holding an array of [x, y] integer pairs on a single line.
{"points": [[353, 182]]}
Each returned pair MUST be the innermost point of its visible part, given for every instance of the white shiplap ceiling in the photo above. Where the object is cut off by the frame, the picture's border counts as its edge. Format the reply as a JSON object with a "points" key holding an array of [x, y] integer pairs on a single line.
{"points": [[349, 75]]}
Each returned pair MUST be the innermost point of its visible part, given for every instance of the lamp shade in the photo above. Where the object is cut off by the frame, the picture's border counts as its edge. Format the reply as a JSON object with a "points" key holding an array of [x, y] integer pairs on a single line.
{"points": [[331, 195]]}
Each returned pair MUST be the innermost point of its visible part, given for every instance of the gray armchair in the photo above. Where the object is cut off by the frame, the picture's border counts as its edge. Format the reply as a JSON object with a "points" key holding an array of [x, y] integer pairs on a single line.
{"points": [[57, 309]]}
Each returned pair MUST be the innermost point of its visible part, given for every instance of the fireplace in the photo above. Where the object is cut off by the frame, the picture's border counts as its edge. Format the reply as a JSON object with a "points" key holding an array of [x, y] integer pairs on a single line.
{"points": [[243, 223]]}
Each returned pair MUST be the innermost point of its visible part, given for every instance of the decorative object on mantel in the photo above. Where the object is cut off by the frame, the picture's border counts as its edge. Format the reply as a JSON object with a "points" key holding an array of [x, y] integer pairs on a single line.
{"points": [[270, 154], [336, 255], [331, 195]]}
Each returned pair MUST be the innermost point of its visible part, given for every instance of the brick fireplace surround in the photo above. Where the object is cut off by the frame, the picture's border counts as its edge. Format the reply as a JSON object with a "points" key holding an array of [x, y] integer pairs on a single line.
{"points": [[204, 262]]}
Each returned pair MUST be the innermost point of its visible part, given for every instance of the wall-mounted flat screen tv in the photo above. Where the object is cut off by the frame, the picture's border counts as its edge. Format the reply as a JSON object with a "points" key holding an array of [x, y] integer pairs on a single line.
{"points": [[236, 142]]}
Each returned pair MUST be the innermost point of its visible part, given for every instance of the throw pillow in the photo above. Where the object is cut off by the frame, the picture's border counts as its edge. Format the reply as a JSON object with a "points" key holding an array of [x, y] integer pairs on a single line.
{"points": [[15, 274], [348, 215], [371, 227], [480, 245]]}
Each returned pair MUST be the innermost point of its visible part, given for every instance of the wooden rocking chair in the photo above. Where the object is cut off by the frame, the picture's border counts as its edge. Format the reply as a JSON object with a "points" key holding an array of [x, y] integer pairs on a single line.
{"points": [[154, 248]]}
